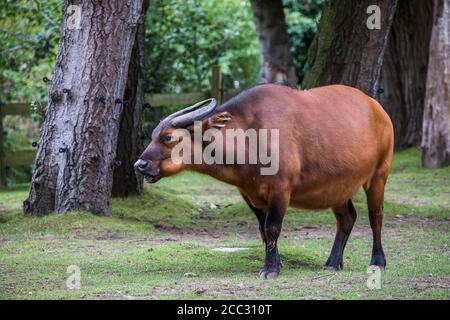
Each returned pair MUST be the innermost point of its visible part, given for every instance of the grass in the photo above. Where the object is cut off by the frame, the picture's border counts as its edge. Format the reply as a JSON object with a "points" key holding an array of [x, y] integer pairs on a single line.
{"points": [[162, 245]]}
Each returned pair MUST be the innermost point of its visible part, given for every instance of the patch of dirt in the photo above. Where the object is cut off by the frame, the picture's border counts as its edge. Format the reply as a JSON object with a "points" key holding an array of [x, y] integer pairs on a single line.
{"points": [[415, 202], [424, 221], [165, 228], [427, 283], [248, 231], [220, 287]]}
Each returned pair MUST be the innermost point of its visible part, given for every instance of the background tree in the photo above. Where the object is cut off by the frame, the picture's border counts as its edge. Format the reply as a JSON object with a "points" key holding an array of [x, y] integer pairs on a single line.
{"points": [[404, 71], [345, 50], [436, 121], [276, 60], [78, 137], [301, 20], [130, 142]]}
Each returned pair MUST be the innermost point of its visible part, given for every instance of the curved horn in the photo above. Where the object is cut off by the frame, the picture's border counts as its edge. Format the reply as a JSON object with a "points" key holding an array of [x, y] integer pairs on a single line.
{"points": [[190, 114]]}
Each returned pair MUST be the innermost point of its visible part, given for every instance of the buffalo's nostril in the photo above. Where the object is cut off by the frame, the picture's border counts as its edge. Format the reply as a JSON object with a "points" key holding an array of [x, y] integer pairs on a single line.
{"points": [[141, 164]]}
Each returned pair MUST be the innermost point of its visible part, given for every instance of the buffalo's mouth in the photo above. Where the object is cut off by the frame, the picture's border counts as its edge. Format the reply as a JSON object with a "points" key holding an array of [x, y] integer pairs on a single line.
{"points": [[152, 178]]}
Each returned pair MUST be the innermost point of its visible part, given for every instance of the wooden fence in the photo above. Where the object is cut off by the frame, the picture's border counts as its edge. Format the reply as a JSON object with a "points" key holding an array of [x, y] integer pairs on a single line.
{"points": [[26, 157]]}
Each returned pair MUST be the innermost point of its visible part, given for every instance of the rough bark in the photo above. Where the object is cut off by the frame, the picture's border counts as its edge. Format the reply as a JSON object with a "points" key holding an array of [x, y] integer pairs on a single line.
{"points": [[276, 59], [436, 121], [404, 70], [130, 143], [78, 137], [345, 50]]}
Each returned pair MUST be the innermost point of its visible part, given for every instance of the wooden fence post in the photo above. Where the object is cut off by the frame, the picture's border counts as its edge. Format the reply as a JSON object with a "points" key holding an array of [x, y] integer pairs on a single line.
{"points": [[216, 84], [2, 152]]}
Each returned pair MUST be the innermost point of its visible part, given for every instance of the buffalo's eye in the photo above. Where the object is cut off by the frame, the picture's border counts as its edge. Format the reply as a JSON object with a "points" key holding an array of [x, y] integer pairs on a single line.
{"points": [[166, 139]]}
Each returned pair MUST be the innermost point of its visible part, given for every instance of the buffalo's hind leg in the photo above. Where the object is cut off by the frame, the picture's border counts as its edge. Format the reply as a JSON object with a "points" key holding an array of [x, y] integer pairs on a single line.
{"points": [[375, 197], [345, 219]]}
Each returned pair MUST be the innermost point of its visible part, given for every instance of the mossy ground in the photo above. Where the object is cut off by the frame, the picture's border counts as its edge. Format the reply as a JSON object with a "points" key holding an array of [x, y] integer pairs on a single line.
{"points": [[161, 245]]}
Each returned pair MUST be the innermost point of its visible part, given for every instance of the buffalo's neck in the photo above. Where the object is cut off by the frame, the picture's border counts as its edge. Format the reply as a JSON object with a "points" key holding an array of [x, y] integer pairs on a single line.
{"points": [[222, 172]]}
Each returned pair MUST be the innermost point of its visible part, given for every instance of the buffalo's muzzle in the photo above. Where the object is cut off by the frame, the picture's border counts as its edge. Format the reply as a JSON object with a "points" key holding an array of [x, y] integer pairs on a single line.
{"points": [[145, 168]]}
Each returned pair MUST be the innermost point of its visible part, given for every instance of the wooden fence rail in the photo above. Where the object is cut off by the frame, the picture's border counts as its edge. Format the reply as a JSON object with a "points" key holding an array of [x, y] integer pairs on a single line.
{"points": [[26, 157]]}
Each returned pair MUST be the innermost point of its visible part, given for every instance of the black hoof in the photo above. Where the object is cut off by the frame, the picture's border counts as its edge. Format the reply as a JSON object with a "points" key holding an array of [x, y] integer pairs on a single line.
{"points": [[331, 268], [378, 260], [268, 273], [334, 264]]}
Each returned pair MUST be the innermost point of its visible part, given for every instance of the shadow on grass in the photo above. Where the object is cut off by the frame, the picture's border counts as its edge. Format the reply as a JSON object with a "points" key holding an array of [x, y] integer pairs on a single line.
{"points": [[200, 259]]}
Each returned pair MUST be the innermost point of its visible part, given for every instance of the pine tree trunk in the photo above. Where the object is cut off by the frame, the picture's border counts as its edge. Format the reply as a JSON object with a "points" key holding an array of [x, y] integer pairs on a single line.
{"points": [[78, 138], [404, 70], [345, 50], [276, 59], [130, 143], [436, 121]]}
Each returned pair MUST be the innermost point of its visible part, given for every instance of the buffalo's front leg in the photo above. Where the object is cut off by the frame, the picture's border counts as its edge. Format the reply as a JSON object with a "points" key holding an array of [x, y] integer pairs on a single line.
{"points": [[261, 215], [272, 228]]}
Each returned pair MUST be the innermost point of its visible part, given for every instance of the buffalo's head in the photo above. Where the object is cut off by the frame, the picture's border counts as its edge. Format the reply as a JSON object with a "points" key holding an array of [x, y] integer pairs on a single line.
{"points": [[156, 160]]}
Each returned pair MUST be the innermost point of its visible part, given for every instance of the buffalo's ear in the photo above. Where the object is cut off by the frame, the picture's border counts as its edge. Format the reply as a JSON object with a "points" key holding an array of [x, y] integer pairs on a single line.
{"points": [[217, 121]]}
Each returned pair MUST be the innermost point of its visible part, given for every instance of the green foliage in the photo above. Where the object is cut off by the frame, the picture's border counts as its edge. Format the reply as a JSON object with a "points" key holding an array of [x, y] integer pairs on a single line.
{"points": [[185, 38], [29, 32]]}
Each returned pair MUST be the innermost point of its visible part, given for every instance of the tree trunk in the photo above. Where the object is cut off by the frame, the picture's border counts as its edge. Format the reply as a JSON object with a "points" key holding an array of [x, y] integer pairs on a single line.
{"points": [[404, 71], [436, 120], [130, 143], [345, 50], [276, 59], [78, 137]]}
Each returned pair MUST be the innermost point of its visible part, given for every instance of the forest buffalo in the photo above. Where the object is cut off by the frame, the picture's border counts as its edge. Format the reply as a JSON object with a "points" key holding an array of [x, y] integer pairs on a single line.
{"points": [[328, 142]]}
